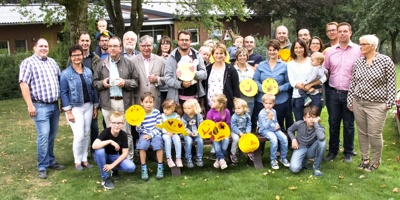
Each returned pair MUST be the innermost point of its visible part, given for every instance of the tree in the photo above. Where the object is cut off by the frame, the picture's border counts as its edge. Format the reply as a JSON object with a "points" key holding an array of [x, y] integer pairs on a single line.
{"points": [[77, 17]]}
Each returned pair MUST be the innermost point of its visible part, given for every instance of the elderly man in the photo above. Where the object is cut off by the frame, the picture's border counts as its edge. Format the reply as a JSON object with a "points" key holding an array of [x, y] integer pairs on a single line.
{"points": [[254, 58], [40, 87], [129, 40], [304, 34], [115, 78], [102, 49], [332, 33]]}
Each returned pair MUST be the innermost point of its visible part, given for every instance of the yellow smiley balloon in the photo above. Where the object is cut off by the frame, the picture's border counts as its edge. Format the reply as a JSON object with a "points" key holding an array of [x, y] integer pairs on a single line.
{"points": [[135, 115], [186, 71], [270, 86], [220, 132], [248, 87], [205, 129], [248, 143], [175, 126]]}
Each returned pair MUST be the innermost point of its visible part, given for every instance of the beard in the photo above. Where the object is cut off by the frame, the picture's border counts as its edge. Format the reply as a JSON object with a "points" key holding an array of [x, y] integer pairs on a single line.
{"points": [[129, 47]]}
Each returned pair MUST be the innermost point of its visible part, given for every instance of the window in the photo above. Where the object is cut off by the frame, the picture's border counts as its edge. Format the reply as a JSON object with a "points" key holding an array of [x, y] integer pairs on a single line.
{"points": [[4, 48], [195, 36], [20, 46]]}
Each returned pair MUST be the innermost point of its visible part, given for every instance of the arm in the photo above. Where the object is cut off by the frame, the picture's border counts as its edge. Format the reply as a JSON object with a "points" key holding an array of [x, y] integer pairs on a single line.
{"points": [[391, 83], [291, 132], [26, 94], [235, 82], [234, 124], [264, 122], [286, 84], [248, 123], [121, 158], [319, 131], [201, 73], [64, 90], [257, 79], [228, 117], [132, 77], [98, 82], [353, 85]]}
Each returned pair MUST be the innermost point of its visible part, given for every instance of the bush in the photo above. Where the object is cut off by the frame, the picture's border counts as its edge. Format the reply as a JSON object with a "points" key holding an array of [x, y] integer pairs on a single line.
{"points": [[9, 67]]}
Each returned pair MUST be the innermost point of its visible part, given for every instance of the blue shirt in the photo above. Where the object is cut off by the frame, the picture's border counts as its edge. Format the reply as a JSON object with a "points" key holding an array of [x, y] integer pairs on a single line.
{"points": [[241, 123]]}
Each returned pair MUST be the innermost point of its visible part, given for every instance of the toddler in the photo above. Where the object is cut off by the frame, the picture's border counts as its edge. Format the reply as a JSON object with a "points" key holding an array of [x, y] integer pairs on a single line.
{"points": [[270, 129], [237, 42], [102, 29], [205, 54], [241, 124]]}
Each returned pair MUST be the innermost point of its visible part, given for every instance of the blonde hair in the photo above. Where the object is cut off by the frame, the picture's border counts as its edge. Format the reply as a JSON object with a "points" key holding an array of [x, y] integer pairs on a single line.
{"points": [[237, 102], [170, 103], [318, 56], [194, 104], [116, 114], [221, 98], [268, 97]]}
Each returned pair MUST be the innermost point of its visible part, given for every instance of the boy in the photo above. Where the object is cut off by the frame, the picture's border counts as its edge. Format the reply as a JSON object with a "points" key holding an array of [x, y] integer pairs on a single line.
{"points": [[237, 43], [150, 134], [309, 141], [270, 129], [111, 150], [102, 29]]}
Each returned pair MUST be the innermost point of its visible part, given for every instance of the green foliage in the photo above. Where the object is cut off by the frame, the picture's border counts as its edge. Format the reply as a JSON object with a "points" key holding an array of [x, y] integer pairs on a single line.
{"points": [[261, 43], [9, 67]]}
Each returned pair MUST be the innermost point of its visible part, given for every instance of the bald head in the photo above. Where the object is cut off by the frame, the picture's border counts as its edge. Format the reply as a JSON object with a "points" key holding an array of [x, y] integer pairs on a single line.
{"points": [[281, 34], [304, 34]]}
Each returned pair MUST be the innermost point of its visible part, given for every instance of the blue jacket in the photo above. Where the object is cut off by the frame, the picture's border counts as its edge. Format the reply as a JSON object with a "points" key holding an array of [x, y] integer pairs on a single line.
{"points": [[72, 90]]}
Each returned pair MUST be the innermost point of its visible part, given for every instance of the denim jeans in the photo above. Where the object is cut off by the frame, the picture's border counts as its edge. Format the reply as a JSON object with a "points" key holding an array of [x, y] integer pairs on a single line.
{"points": [[281, 113], [46, 121], [301, 155], [298, 105], [235, 140], [338, 111], [102, 158], [188, 146], [221, 148], [273, 138], [168, 145]]}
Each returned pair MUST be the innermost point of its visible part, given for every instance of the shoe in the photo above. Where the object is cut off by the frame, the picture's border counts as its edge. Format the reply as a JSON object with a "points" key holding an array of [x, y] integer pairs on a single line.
{"points": [[216, 164], [348, 158], [234, 159], [223, 164], [42, 174], [170, 162], [251, 156], [160, 173], [285, 162], [115, 174], [79, 167], [305, 164], [372, 167], [213, 157], [307, 101], [330, 157], [108, 183], [364, 164], [317, 172], [189, 163], [274, 164], [354, 153], [179, 162], [89, 166], [144, 175], [199, 162], [56, 166]]}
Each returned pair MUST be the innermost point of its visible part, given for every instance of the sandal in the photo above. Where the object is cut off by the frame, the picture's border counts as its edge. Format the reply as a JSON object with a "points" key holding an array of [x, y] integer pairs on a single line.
{"points": [[364, 164], [372, 167]]}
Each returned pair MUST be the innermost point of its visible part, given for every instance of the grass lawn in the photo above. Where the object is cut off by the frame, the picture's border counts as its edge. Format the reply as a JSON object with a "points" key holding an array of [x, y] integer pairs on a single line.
{"points": [[340, 180]]}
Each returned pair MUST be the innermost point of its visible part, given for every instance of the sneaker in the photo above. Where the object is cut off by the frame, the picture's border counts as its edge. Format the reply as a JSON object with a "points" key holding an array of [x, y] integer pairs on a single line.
{"points": [[274, 164], [56, 166], [108, 183], [234, 159], [170, 162], [216, 164], [189, 163], [330, 157], [42, 174], [79, 167], [114, 174], [213, 157], [223, 164], [89, 166], [199, 162], [305, 164], [317, 172], [307, 101], [285, 162], [251, 156], [144, 175], [348, 158], [160, 173], [179, 162]]}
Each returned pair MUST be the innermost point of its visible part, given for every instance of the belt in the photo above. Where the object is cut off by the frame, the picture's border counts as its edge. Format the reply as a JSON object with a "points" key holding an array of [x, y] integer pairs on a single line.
{"points": [[339, 91], [42, 102], [116, 98]]}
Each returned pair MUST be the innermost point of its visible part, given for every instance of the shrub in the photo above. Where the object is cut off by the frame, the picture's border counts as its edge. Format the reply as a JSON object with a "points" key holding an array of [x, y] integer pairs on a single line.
{"points": [[9, 67]]}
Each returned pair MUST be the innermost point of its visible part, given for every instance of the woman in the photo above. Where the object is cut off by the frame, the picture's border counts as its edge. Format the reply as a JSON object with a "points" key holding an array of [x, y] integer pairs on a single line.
{"points": [[316, 45], [274, 68], [371, 94], [80, 102], [163, 50], [222, 78], [298, 71], [245, 71]]}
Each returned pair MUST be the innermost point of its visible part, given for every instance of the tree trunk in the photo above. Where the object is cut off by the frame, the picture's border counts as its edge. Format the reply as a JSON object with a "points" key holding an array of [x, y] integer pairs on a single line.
{"points": [[115, 13], [393, 37], [137, 16], [77, 17]]}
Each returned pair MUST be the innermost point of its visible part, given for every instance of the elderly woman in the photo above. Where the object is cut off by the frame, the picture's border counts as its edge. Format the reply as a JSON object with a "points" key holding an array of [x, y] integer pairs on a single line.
{"points": [[80, 102], [245, 71], [371, 95], [316, 45]]}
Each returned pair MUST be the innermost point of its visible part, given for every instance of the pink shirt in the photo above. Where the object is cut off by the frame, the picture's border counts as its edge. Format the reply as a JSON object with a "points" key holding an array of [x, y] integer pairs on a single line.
{"points": [[339, 63]]}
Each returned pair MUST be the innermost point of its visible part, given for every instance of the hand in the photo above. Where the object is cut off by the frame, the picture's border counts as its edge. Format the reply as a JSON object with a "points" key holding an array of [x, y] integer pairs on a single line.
{"points": [[70, 116], [193, 134], [170, 134], [94, 113], [302, 86], [106, 82], [350, 108], [32, 110], [295, 145], [108, 167], [152, 78], [270, 115], [317, 119], [186, 84], [307, 87], [146, 137], [116, 145], [241, 134], [311, 90], [277, 127], [121, 83]]}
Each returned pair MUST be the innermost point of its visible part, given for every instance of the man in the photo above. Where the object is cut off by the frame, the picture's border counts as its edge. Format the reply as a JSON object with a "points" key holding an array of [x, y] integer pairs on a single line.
{"points": [[90, 60], [40, 88], [304, 34], [339, 61], [254, 58], [331, 32], [179, 90], [129, 41], [282, 35], [150, 68], [102, 49], [115, 78]]}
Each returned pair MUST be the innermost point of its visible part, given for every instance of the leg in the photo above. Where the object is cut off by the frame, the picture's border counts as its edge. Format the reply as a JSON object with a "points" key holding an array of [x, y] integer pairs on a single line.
{"points": [[376, 120], [188, 147], [273, 143], [54, 119], [296, 162], [78, 131], [167, 145], [316, 100], [335, 118], [42, 122], [143, 145], [360, 116], [298, 108], [200, 147], [316, 151], [157, 144], [178, 146], [100, 157], [218, 149], [348, 126], [283, 141], [88, 121], [235, 141]]}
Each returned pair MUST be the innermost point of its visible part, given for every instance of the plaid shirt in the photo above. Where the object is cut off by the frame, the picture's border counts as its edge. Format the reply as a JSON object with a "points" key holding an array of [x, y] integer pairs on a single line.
{"points": [[42, 76]]}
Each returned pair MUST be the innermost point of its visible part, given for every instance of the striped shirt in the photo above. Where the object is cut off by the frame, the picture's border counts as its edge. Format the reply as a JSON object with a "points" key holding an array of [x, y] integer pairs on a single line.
{"points": [[42, 76], [148, 125]]}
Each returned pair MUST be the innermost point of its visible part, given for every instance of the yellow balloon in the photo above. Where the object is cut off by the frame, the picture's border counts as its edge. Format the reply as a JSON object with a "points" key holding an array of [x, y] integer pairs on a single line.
{"points": [[205, 129], [270, 86], [220, 132], [248, 87], [248, 143], [135, 115], [284, 55], [175, 126], [186, 71]]}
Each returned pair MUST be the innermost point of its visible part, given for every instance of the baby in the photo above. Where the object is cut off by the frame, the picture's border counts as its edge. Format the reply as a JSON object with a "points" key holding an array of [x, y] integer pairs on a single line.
{"points": [[102, 29]]}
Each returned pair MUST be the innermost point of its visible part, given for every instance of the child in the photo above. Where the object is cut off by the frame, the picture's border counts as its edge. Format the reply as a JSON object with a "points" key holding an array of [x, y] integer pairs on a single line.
{"points": [[150, 134], [237, 42], [111, 150], [241, 124], [219, 113], [316, 73], [205, 54], [309, 141], [172, 110], [102, 29], [269, 128], [192, 118]]}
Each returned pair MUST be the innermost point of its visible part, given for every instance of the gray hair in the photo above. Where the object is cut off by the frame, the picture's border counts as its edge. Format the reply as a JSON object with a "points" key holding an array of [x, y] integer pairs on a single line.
{"points": [[146, 38], [130, 33], [371, 39]]}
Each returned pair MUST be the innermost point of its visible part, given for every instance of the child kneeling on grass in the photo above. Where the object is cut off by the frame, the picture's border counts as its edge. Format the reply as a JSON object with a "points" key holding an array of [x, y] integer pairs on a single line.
{"points": [[111, 150], [309, 141]]}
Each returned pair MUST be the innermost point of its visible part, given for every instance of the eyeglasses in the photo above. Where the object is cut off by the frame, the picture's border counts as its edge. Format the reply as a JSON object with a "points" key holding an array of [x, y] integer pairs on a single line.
{"points": [[103, 40], [145, 46], [331, 30], [76, 55], [117, 123], [113, 46], [364, 44]]}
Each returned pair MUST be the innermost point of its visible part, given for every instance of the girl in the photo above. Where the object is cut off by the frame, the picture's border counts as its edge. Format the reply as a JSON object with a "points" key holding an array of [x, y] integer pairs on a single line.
{"points": [[172, 110], [241, 124], [192, 118], [219, 113]]}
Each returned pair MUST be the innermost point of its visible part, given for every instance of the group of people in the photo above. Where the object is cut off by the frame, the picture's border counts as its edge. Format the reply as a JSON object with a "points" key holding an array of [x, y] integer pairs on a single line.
{"points": [[356, 79]]}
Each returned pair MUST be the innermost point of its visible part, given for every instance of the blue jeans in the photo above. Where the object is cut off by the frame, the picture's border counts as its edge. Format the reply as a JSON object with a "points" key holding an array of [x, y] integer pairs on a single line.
{"points": [[338, 111], [188, 146], [168, 145], [221, 148], [301, 155], [156, 142], [102, 158], [46, 121], [281, 113], [273, 138], [298, 105]]}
